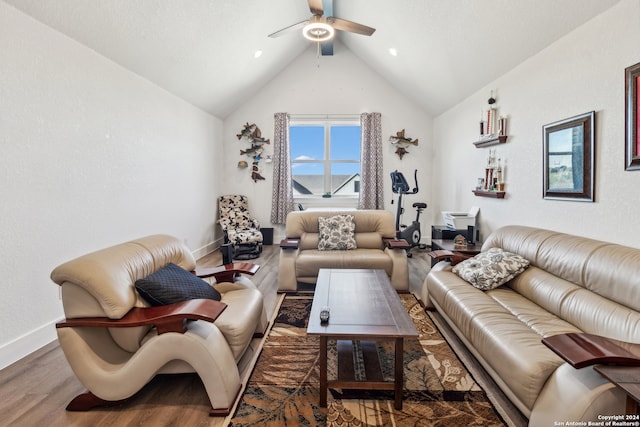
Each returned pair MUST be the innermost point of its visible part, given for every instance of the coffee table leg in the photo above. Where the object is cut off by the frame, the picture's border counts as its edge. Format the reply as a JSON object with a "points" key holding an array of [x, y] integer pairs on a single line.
{"points": [[399, 372], [323, 371]]}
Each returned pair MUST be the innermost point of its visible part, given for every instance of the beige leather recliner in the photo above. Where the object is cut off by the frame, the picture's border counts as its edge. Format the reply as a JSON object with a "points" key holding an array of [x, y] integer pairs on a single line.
{"points": [[113, 363], [300, 259]]}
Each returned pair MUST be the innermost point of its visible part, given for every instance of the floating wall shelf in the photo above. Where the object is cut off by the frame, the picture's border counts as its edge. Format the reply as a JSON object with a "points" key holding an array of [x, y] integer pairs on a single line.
{"points": [[491, 141], [492, 194]]}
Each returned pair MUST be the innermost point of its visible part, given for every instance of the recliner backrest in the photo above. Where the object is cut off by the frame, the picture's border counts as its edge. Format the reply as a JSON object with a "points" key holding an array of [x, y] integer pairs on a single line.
{"points": [[234, 212], [592, 284], [371, 227]]}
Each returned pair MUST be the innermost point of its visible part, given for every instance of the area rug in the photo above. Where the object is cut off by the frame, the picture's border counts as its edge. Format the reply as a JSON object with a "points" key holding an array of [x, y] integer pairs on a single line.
{"points": [[283, 389]]}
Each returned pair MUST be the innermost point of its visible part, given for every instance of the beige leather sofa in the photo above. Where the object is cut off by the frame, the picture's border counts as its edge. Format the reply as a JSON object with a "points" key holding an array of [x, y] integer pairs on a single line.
{"points": [[573, 284], [300, 260], [114, 363]]}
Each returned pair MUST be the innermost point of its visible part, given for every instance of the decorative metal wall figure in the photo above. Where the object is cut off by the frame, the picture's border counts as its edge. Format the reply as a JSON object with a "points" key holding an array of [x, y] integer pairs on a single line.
{"points": [[402, 143], [252, 134]]}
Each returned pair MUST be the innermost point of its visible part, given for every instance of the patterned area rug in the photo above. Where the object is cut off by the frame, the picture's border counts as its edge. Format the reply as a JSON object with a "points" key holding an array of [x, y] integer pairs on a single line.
{"points": [[284, 388]]}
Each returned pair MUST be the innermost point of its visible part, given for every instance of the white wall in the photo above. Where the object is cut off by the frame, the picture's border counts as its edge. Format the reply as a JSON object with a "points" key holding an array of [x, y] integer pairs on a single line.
{"points": [[583, 71], [341, 84], [92, 155]]}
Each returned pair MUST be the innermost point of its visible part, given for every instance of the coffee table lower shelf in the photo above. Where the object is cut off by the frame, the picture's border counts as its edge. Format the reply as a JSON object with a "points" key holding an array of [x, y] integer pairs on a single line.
{"points": [[373, 371]]}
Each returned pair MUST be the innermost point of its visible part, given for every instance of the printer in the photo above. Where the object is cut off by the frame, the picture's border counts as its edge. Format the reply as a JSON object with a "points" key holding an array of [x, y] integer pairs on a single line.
{"points": [[460, 220]]}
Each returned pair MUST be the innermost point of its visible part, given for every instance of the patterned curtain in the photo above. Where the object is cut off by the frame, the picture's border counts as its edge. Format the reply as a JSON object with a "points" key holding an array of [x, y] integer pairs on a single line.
{"points": [[282, 186], [371, 179]]}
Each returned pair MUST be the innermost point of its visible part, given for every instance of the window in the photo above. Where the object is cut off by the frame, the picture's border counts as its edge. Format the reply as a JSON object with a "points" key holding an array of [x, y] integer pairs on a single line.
{"points": [[325, 156]]}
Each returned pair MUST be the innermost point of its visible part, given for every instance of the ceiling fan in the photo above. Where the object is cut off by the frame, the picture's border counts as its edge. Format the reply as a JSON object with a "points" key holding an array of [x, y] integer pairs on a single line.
{"points": [[320, 28]]}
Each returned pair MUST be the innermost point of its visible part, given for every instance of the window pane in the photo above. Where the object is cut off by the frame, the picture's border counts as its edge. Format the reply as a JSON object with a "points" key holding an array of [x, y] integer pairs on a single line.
{"points": [[345, 178], [314, 174], [307, 142], [345, 142], [308, 178]]}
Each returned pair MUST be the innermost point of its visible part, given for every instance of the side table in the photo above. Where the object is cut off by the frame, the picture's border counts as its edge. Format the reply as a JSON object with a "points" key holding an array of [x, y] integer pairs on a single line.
{"points": [[626, 378], [447, 245]]}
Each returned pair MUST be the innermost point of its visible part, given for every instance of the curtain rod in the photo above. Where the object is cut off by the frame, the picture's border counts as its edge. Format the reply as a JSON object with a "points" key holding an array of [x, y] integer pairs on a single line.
{"points": [[324, 116]]}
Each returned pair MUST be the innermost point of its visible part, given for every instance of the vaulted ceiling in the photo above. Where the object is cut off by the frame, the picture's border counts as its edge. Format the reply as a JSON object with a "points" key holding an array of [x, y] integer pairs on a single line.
{"points": [[204, 50]]}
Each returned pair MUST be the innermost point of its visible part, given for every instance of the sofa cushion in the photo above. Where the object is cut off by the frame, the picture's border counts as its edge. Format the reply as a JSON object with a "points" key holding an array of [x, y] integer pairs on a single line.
{"points": [[491, 268], [173, 284], [337, 232]]}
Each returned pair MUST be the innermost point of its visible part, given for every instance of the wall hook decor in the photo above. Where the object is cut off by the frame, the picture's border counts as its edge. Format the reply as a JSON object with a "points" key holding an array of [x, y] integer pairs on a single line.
{"points": [[401, 142], [252, 134]]}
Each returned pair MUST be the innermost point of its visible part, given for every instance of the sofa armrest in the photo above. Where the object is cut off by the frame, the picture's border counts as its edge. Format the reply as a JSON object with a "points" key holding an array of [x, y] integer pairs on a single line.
{"points": [[582, 349], [453, 256], [289, 243], [227, 272], [166, 318], [396, 243]]}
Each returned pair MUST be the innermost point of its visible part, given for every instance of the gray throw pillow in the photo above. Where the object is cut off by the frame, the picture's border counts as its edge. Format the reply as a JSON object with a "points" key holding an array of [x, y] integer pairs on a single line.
{"points": [[172, 284], [491, 268], [337, 232]]}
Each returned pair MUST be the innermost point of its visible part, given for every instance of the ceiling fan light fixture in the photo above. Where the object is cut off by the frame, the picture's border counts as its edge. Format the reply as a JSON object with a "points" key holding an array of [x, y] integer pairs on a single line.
{"points": [[318, 31]]}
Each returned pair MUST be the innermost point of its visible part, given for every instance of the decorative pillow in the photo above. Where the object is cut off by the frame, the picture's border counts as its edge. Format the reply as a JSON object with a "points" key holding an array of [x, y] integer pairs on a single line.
{"points": [[173, 284], [491, 268], [337, 232]]}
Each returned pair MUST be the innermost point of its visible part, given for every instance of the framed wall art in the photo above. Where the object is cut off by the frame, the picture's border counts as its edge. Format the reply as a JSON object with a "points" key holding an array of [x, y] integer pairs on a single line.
{"points": [[569, 159], [632, 117]]}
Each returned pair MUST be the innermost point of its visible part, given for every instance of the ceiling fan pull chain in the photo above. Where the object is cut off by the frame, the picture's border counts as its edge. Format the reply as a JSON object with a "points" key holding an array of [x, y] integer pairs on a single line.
{"points": [[318, 55]]}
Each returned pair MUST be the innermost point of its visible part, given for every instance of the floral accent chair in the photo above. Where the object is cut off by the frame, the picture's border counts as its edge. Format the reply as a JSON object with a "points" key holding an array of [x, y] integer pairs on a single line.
{"points": [[240, 228]]}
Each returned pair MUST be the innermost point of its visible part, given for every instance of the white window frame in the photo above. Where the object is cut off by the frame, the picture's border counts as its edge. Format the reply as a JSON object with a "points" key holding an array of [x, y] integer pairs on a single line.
{"points": [[317, 200]]}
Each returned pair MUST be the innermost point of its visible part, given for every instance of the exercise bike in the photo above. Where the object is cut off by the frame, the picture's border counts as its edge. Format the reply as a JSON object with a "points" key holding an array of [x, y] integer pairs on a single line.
{"points": [[411, 233]]}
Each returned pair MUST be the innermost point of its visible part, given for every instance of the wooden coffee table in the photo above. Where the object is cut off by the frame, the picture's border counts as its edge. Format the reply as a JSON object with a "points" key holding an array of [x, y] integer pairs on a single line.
{"points": [[364, 308]]}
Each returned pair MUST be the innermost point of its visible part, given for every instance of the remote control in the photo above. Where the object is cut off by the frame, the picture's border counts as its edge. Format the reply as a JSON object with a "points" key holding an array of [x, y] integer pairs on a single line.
{"points": [[324, 315]]}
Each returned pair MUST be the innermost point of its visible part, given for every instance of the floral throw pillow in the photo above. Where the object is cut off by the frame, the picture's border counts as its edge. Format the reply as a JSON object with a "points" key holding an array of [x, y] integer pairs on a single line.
{"points": [[337, 232], [491, 268]]}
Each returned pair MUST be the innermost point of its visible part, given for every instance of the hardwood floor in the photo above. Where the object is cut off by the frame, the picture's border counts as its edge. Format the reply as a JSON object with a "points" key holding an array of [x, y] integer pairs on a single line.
{"points": [[35, 390]]}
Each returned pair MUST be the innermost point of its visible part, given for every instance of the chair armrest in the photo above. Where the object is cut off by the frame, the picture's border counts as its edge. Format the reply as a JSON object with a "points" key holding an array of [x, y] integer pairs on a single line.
{"points": [[396, 243], [226, 273], [289, 243], [166, 318]]}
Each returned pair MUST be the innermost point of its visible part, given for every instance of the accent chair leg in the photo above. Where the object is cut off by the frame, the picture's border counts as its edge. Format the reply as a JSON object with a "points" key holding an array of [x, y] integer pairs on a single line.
{"points": [[87, 401]]}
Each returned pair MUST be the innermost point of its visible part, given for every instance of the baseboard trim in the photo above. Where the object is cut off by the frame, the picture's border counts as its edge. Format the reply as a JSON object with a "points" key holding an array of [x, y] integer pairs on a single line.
{"points": [[22, 346], [207, 249]]}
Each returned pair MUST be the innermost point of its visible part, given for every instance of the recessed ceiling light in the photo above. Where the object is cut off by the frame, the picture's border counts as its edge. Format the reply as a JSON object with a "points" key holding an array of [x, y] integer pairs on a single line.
{"points": [[393, 51], [257, 54]]}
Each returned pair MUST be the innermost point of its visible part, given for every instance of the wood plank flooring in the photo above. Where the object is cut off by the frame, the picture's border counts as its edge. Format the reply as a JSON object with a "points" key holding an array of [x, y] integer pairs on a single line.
{"points": [[35, 390]]}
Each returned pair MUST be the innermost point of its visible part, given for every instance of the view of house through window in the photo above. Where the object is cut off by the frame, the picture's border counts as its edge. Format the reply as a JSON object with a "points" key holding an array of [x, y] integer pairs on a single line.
{"points": [[325, 156]]}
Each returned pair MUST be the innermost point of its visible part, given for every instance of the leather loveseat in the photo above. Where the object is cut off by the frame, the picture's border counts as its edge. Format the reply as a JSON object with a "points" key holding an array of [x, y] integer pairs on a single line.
{"points": [[115, 343], [572, 285], [375, 248]]}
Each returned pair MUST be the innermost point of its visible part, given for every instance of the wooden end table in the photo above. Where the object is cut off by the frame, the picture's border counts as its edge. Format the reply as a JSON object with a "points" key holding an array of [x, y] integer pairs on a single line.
{"points": [[447, 245], [626, 378], [365, 308]]}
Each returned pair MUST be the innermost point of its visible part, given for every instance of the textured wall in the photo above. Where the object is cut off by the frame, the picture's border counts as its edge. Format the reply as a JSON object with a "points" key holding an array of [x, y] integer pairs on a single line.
{"points": [[338, 84], [92, 155], [581, 72]]}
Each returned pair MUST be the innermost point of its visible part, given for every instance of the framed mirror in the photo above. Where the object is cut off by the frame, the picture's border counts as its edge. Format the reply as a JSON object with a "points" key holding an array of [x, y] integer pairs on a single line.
{"points": [[632, 118], [569, 159]]}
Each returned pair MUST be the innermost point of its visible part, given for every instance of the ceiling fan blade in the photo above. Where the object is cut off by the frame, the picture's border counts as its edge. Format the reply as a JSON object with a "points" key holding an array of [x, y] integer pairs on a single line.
{"points": [[316, 7], [351, 27], [289, 29]]}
